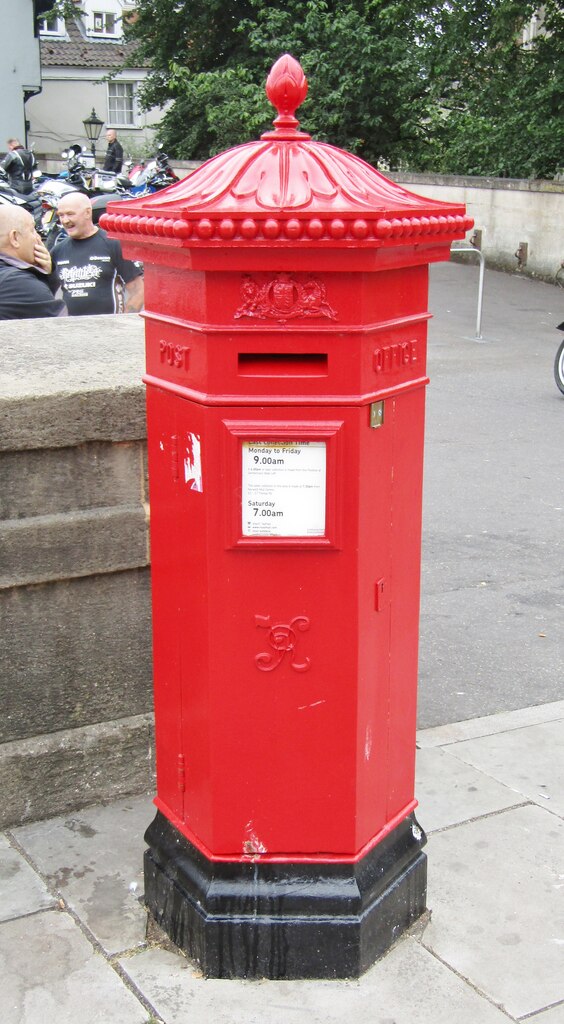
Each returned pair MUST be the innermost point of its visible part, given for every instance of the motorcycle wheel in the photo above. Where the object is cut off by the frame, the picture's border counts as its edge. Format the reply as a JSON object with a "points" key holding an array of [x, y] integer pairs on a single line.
{"points": [[559, 368], [55, 234]]}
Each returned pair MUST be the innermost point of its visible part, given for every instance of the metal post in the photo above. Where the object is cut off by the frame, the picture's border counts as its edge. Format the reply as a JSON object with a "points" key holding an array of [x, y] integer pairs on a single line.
{"points": [[482, 258]]}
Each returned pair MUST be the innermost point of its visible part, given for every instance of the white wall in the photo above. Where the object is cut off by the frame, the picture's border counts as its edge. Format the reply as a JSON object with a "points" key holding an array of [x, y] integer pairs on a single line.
{"points": [[19, 67], [507, 212], [56, 115]]}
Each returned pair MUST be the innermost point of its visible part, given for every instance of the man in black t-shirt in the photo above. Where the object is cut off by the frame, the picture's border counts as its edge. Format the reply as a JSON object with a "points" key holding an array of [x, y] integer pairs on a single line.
{"points": [[27, 284], [94, 275]]}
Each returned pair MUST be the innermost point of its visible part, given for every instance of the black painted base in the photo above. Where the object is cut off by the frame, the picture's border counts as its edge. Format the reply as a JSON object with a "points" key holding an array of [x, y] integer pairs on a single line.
{"points": [[260, 920]]}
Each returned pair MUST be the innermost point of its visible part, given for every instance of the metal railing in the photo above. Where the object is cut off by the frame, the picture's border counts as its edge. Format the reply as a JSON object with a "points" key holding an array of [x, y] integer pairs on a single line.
{"points": [[476, 252]]}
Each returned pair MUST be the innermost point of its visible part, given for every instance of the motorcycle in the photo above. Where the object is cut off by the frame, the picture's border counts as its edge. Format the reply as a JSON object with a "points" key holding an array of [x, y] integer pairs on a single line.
{"points": [[81, 173], [158, 174], [153, 177], [30, 202], [51, 191], [559, 362]]}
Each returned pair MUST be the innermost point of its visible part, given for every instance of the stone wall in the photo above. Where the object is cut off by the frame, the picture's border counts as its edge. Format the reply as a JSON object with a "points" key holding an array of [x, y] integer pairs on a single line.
{"points": [[75, 651], [508, 212]]}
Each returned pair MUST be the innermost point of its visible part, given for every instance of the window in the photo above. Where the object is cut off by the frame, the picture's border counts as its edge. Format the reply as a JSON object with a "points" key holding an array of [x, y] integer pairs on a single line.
{"points": [[121, 104], [51, 26], [104, 23]]}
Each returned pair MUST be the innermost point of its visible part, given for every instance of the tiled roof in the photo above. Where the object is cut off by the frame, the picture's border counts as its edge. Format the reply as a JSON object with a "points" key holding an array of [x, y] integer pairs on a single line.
{"points": [[79, 51]]}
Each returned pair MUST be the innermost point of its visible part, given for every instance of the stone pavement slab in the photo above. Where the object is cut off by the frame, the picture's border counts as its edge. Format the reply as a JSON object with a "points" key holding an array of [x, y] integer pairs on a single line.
{"points": [[407, 985], [497, 898], [51, 975], [524, 760], [554, 1016], [491, 725], [22, 890], [94, 859], [450, 792]]}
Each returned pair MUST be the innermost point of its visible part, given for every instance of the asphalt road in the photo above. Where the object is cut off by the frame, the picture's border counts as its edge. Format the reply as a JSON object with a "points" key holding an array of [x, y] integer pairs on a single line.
{"points": [[492, 605]]}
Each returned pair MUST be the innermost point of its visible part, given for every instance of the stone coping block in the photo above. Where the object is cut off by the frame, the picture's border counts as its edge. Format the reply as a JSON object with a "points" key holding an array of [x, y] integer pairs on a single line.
{"points": [[49, 775], [68, 380], [475, 181], [58, 547], [47, 481], [74, 652]]}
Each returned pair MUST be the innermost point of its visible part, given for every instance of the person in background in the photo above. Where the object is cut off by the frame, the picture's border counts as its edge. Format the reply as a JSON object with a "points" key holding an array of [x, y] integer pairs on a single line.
{"points": [[94, 275], [114, 152], [19, 164], [27, 281]]}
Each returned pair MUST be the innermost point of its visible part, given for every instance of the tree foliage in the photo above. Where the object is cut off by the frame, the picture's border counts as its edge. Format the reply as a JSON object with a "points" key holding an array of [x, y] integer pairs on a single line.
{"points": [[497, 105], [444, 86], [366, 86]]}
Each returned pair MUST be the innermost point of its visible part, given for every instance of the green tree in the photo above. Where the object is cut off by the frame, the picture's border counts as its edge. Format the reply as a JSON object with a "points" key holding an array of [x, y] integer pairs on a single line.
{"points": [[498, 105], [444, 86], [368, 92]]}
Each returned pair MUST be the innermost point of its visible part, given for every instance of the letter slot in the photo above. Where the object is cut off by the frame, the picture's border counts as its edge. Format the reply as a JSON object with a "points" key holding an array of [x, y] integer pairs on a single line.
{"points": [[283, 364]]}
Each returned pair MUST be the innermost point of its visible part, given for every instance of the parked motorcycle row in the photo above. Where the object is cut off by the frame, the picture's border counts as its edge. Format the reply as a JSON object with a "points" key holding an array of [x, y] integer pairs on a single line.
{"points": [[101, 186]]}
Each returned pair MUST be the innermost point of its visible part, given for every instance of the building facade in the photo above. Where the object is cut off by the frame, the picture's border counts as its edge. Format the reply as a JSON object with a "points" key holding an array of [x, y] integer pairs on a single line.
{"points": [[80, 58], [20, 71]]}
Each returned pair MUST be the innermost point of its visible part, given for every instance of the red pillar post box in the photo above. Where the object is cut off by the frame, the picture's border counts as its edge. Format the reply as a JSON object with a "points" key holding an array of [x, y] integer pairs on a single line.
{"points": [[286, 314]]}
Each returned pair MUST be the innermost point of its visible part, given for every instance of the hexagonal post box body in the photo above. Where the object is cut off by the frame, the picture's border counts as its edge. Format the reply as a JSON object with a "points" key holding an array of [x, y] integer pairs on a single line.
{"points": [[286, 317]]}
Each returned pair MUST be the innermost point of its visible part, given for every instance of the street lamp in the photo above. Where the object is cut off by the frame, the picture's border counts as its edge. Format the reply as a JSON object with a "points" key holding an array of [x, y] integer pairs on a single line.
{"points": [[93, 126]]}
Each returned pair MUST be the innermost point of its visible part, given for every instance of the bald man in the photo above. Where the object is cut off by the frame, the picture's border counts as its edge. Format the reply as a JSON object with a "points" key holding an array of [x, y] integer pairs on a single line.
{"points": [[94, 275], [27, 283]]}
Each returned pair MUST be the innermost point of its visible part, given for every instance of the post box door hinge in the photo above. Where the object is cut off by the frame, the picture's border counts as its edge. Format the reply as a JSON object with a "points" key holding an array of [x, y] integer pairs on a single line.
{"points": [[181, 772], [174, 458], [379, 595]]}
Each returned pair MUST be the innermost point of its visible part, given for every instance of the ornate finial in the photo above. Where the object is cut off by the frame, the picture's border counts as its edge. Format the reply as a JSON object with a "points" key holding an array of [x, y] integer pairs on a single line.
{"points": [[286, 88]]}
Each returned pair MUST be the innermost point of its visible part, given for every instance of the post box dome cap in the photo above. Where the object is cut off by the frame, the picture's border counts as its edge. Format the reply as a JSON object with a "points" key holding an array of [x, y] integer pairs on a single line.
{"points": [[286, 189]]}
